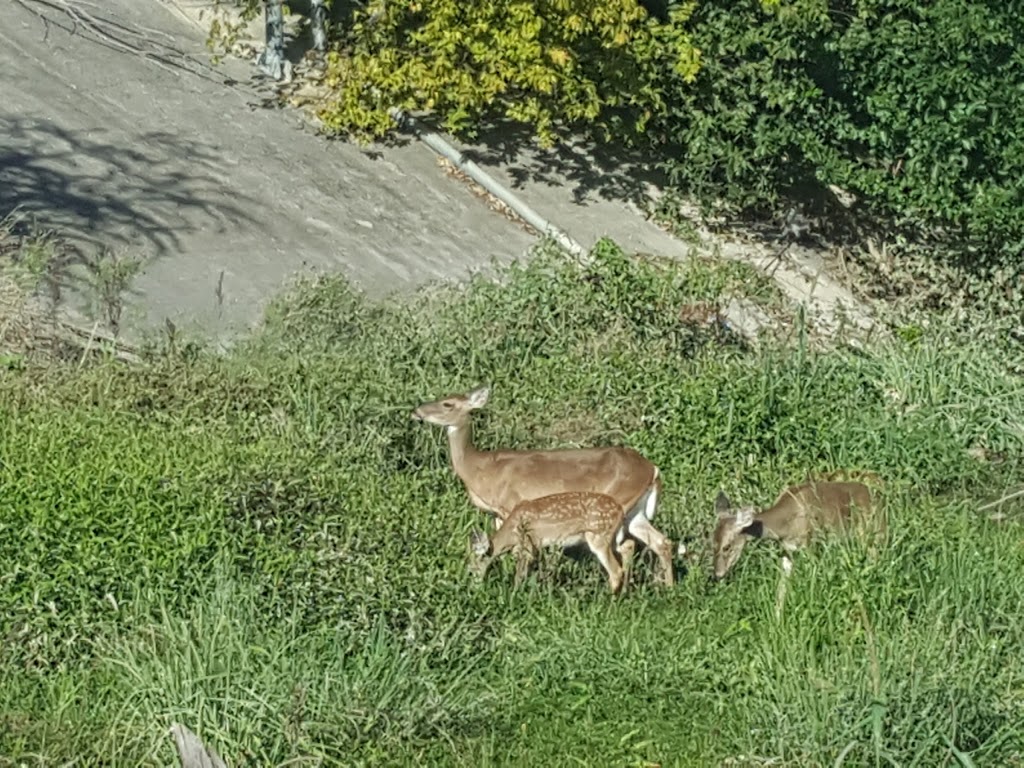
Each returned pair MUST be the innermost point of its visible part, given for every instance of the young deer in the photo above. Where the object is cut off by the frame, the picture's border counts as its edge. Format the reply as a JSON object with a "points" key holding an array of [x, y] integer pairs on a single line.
{"points": [[499, 481], [559, 520], [797, 513]]}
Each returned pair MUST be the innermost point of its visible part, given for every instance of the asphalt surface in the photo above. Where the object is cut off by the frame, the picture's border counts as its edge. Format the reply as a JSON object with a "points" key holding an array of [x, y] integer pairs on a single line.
{"points": [[114, 127]]}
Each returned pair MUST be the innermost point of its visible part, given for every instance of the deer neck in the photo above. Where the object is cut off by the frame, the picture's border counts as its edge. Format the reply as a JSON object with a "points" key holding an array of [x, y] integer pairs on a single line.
{"points": [[470, 466], [464, 454], [774, 523]]}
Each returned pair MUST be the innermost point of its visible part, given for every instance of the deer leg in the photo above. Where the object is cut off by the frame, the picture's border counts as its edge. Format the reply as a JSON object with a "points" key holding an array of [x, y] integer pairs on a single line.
{"points": [[650, 502], [626, 548], [524, 552], [878, 533], [480, 554], [479, 566], [780, 592], [640, 527], [601, 546]]}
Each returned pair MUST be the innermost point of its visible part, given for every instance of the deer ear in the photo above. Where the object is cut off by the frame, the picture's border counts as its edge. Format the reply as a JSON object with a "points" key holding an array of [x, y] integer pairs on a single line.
{"points": [[722, 504], [478, 397], [744, 518]]}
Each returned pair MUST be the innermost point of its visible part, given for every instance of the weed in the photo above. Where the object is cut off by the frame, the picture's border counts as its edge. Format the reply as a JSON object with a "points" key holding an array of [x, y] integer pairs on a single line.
{"points": [[111, 275]]}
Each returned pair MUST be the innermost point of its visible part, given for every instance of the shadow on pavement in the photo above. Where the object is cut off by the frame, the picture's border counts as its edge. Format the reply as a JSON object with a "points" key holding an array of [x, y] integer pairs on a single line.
{"points": [[104, 196]]}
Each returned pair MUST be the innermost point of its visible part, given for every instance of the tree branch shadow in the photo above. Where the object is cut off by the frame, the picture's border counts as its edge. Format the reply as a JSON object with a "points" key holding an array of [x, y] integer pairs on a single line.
{"points": [[100, 194]]}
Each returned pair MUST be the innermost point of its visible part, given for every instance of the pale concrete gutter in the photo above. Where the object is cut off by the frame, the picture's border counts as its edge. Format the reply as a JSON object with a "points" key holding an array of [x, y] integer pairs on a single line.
{"points": [[442, 147]]}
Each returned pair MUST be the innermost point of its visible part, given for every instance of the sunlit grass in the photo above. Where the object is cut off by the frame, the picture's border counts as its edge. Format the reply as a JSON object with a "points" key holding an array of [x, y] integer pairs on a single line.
{"points": [[266, 548]]}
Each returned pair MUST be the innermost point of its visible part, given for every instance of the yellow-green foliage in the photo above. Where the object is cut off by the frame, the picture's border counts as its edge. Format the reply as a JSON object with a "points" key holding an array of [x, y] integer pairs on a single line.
{"points": [[540, 63]]}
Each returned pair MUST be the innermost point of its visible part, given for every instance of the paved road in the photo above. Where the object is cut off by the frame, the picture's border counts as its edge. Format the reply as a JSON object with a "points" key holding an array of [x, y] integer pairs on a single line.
{"points": [[159, 157]]}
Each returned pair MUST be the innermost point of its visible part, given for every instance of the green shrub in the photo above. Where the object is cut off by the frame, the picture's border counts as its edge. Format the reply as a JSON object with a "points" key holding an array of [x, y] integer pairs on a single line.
{"points": [[753, 124], [907, 105], [544, 65], [933, 128]]}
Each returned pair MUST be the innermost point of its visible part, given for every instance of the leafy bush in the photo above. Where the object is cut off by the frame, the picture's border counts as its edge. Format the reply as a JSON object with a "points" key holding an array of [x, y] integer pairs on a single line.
{"points": [[542, 64], [755, 121], [265, 547], [904, 104], [933, 129]]}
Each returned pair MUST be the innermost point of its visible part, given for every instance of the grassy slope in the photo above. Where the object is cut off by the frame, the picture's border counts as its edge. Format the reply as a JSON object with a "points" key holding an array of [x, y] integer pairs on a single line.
{"points": [[266, 548]]}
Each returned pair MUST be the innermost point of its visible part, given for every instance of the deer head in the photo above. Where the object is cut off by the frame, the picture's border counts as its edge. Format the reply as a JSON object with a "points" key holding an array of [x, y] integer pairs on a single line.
{"points": [[453, 410], [731, 533]]}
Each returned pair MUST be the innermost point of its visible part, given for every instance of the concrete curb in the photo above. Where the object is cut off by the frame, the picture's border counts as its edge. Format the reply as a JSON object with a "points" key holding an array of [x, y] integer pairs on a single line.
{"points": [[438, 143]]}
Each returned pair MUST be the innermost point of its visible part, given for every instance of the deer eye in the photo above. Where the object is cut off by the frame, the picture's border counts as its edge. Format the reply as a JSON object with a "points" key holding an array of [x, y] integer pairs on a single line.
{"points": [[448, 404]]}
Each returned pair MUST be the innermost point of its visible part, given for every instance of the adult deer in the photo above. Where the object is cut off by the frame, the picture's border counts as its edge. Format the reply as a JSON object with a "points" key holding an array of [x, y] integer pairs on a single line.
{"points": [[560, 520], [798, 512], [499, 481]]}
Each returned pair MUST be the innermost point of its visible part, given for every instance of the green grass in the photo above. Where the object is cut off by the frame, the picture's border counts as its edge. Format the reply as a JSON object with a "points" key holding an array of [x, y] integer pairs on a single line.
{"points": [[265, 546]]}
